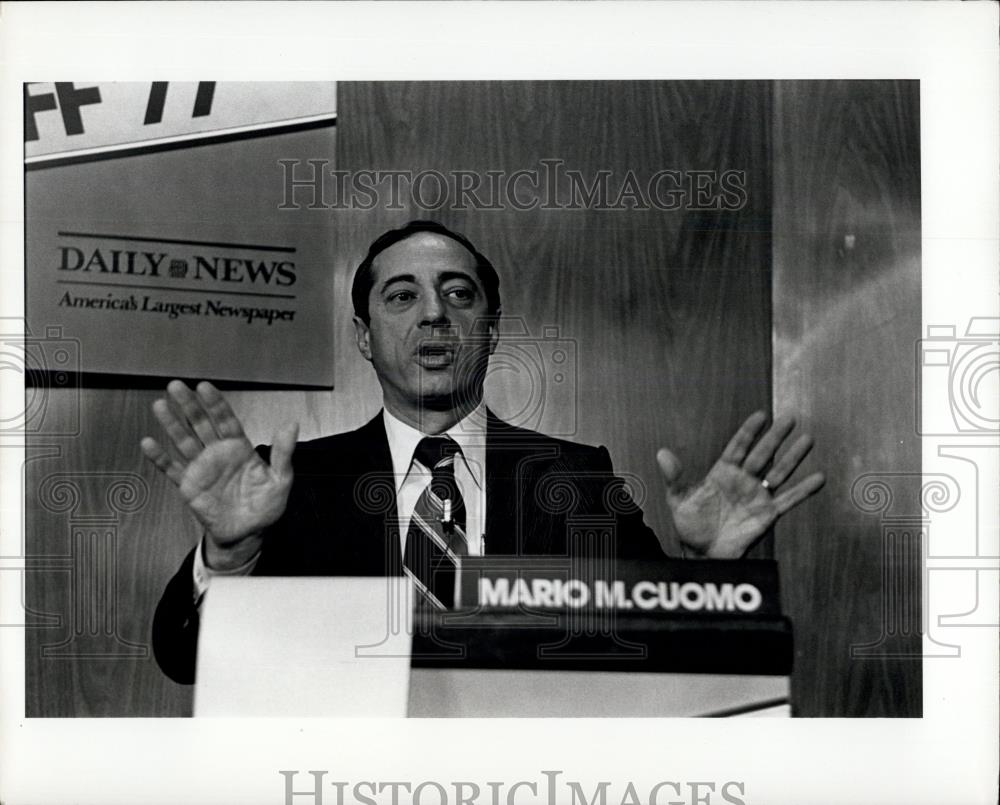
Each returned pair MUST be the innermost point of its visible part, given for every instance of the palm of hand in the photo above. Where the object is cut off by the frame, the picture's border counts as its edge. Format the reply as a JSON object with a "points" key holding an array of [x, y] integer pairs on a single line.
{"points": [[233, 491], [723, 514], [744, 493]]}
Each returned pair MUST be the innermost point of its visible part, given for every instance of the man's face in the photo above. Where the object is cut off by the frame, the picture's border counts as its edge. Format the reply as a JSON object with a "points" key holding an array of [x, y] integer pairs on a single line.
{"points": [[430, 334]]}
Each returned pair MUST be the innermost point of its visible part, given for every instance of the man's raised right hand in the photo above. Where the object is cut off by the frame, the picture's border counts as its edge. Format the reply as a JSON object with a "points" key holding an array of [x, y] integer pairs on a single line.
{"points": [[232, 491]]}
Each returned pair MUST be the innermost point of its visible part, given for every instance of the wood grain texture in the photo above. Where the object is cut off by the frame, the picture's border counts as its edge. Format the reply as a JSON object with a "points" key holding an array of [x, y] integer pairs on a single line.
{"points": [[666, 312], [846, 318]]}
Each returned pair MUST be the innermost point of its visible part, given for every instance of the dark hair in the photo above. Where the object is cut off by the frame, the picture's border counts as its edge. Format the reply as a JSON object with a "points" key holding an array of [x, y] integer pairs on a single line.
{"points": [[364, 279]]}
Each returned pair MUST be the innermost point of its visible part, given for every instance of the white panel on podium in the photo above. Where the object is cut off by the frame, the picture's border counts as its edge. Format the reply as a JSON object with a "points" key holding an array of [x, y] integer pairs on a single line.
{"points": [[335, 647], [304, 647], [440, 692]]}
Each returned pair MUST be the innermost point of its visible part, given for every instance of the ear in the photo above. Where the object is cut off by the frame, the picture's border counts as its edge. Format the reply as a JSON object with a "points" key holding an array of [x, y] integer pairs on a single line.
{"points": [[494, 330], [362, 334]]}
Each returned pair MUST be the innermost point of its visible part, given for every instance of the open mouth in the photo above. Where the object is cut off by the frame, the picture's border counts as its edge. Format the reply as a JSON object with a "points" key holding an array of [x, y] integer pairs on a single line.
{"points": [[436, 356]]}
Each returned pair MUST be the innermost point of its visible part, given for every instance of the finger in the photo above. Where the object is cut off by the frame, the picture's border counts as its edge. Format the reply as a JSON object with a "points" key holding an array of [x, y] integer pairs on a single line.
{"points": [[187, 444], [162, 460], [789, 461], [738, 446], [763, 452], [225, 422], [793, 496], [282, 449], [193, 410], [670, 467]]}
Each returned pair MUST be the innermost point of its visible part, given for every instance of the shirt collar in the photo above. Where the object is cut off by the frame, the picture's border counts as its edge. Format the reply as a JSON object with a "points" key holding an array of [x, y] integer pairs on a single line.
{"points": [[469, 433]]}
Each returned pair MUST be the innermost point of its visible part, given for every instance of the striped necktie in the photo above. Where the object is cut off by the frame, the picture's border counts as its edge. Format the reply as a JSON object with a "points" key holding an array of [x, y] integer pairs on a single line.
{"points": [[436, 536]]}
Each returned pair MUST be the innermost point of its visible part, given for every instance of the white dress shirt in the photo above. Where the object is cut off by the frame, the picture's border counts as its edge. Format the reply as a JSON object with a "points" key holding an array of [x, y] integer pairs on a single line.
{"points": [[411, 479]]}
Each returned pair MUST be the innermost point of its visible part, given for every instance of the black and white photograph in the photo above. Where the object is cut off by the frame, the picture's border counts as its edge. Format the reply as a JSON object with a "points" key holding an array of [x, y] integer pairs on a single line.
{"points": [[501, 404]]}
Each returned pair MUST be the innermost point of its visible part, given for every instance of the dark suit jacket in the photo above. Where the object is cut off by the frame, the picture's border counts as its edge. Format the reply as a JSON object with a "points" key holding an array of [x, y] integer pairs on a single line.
{"points": [[541, 495]]}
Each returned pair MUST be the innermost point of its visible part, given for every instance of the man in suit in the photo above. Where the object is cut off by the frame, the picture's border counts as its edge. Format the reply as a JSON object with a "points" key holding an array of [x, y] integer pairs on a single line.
{"points": [[435, 475]]}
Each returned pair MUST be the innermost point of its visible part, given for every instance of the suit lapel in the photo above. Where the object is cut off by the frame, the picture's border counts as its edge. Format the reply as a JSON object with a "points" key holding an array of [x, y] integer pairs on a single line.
{"points": [[373, 494], [501, 464], [515, 525]]}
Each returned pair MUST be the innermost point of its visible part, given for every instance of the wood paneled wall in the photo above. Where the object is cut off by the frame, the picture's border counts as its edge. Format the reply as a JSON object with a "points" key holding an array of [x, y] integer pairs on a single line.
{"points": [[846, 319], [668, 315]]}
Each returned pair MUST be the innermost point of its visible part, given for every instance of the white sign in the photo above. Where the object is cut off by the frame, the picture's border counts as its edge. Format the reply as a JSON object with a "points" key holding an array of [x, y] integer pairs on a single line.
{"points": [[73, 120], [144, 249]]}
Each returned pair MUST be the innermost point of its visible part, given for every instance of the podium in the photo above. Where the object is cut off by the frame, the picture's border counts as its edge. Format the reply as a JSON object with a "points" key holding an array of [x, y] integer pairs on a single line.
{"points": [[357, 647], [505, 665]]}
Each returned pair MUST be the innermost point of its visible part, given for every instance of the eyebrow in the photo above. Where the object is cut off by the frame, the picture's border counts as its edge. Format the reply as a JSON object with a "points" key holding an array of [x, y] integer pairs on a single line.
{"points": [[398, 278], [444, 276], [456, 275]]}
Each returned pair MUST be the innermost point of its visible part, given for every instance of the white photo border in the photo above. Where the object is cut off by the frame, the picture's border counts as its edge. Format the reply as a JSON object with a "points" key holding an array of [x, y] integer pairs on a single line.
{"points": [[948, 755]]}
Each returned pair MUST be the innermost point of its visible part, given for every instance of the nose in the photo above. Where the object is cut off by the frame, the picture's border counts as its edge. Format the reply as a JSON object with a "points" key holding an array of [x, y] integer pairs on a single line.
{"points": [[434, 312]]}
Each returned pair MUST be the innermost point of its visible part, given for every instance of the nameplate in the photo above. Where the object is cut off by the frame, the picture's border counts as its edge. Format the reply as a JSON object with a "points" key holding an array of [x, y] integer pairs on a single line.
{"points": [[730, 588]]}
